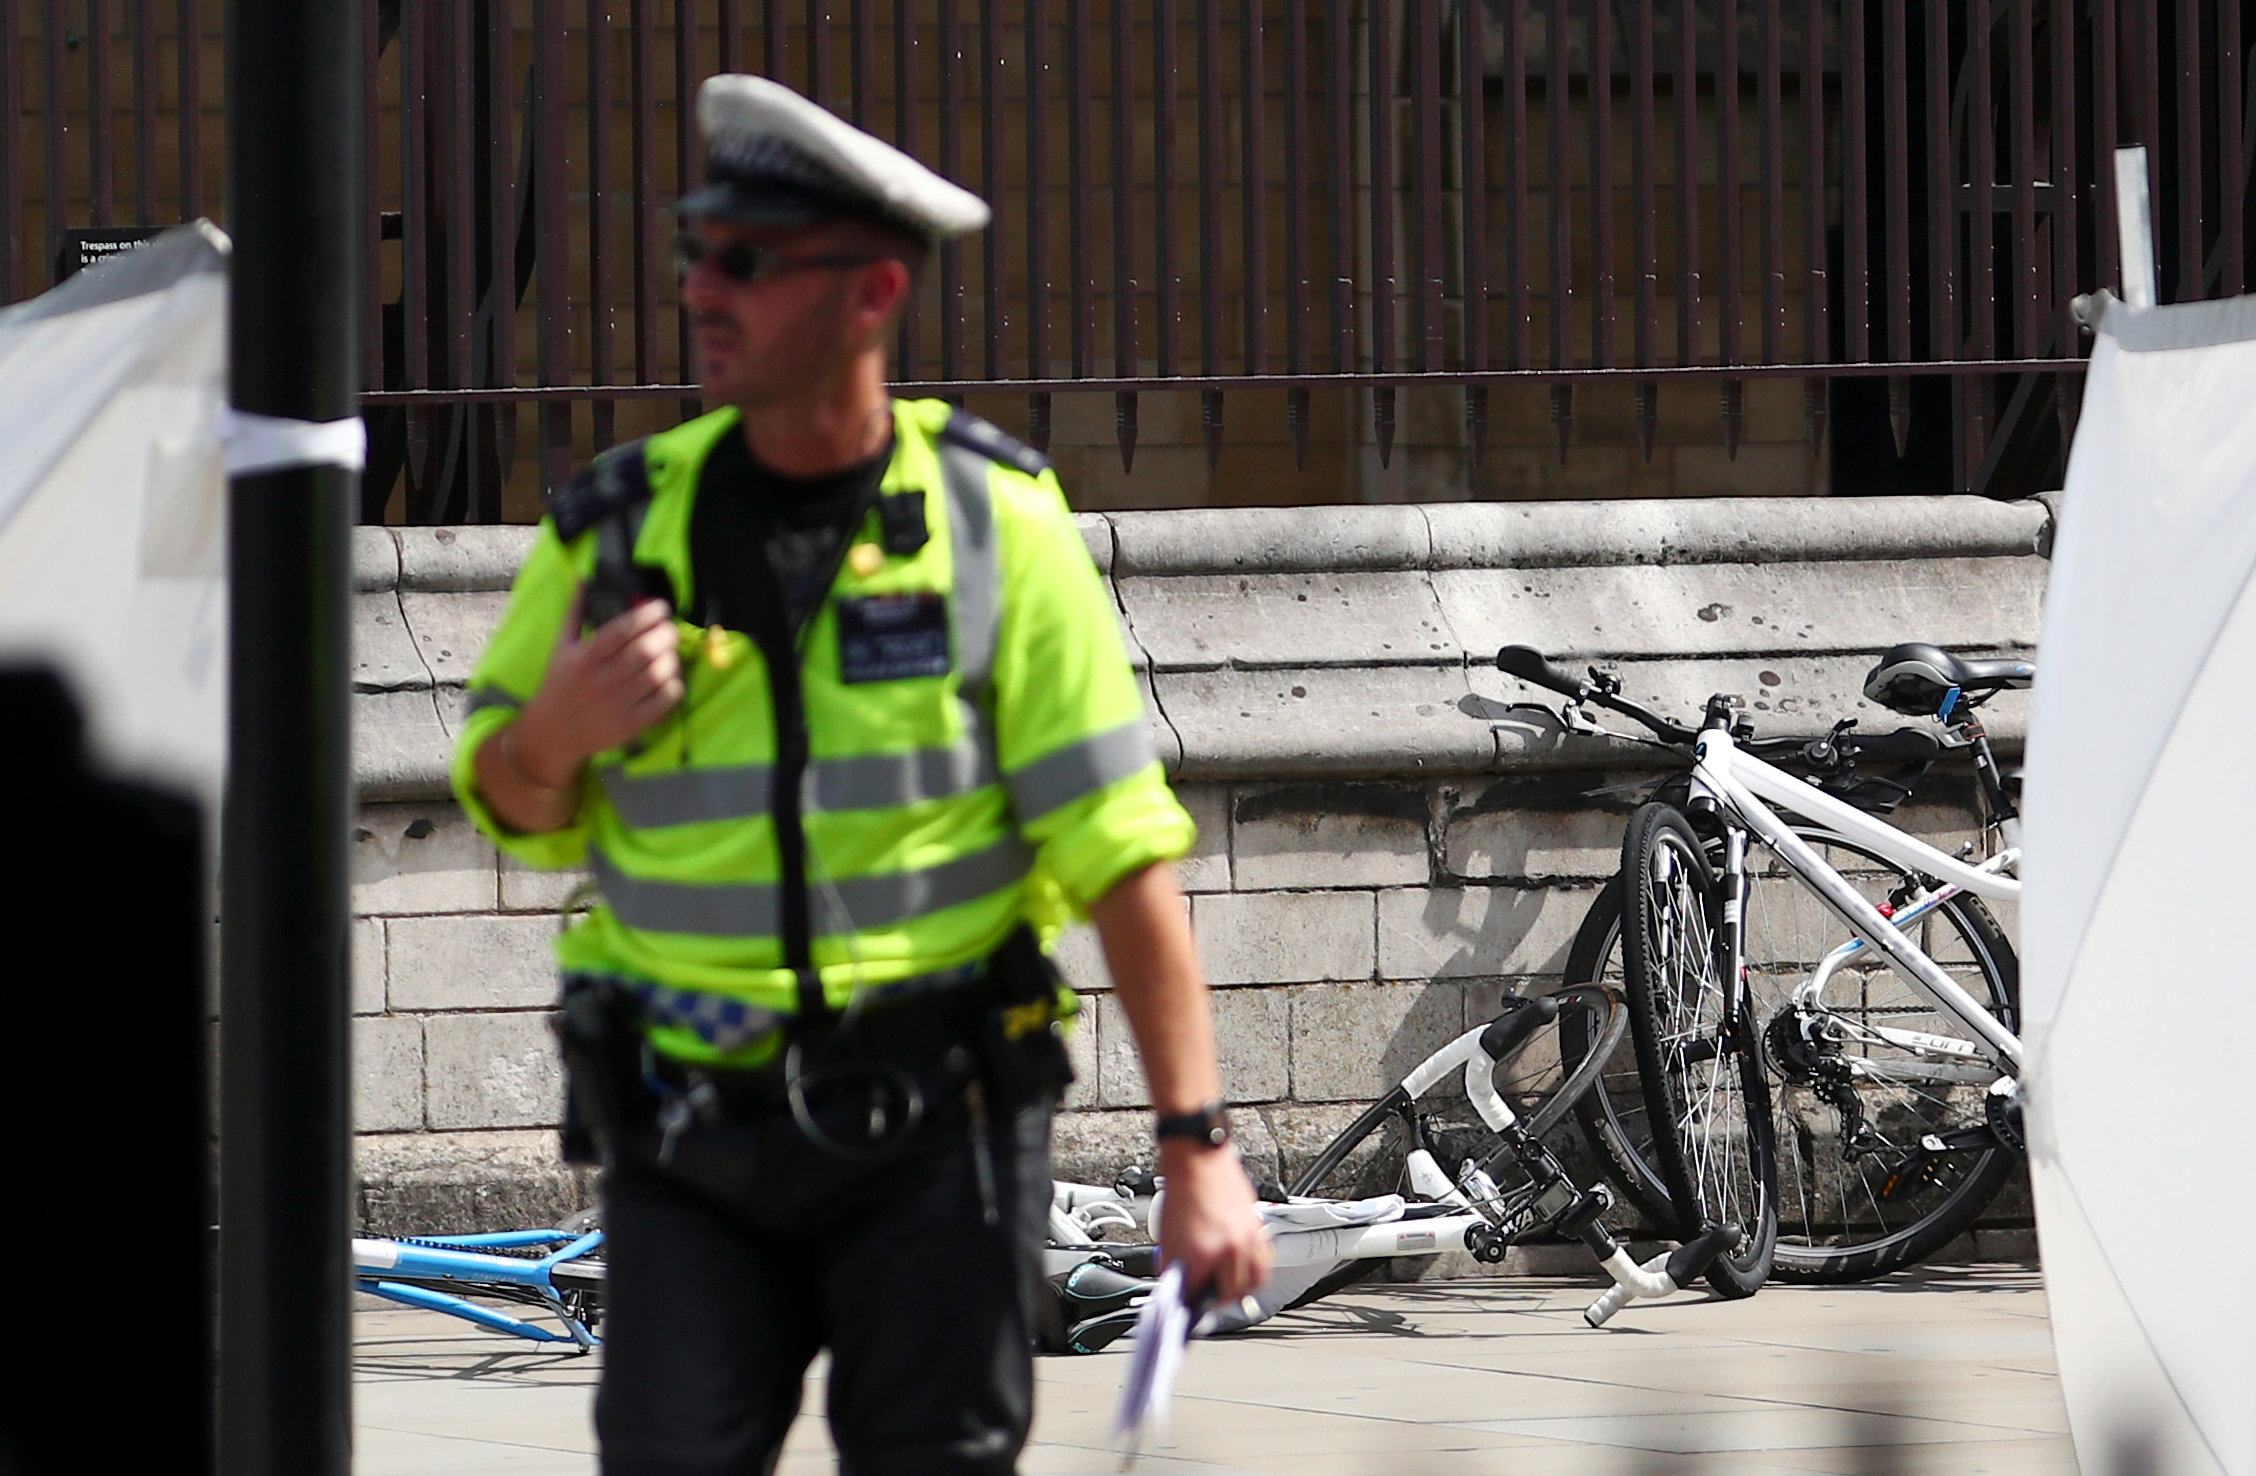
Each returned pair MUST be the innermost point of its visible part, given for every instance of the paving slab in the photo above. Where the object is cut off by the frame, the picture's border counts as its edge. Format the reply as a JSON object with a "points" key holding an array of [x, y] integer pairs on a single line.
{"points": [[1948, 1371]]}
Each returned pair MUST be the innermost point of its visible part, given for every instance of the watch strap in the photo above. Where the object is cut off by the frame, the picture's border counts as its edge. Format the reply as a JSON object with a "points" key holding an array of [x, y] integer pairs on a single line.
{"points": [[1208, 1124]]}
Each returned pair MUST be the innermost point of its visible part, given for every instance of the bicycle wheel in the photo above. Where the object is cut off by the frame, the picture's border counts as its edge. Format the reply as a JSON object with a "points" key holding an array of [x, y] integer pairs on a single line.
{"points": [[1540, 1082], [1696, 1048], [1858, 1196], [1612, 1114]]}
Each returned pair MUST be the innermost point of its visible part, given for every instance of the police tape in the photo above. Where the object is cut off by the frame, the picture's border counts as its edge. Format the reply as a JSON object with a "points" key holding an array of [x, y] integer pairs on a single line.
{"points": [[255, 444]]}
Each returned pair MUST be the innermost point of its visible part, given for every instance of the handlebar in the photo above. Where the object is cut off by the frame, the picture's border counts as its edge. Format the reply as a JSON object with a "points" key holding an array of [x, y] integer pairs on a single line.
{"points": [[1530, 666], [1826, 754]]}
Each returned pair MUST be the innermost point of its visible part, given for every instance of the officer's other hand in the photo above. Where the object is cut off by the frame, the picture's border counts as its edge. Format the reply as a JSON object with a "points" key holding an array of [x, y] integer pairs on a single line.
{"points": [[602, 689], [1208, 1221]]}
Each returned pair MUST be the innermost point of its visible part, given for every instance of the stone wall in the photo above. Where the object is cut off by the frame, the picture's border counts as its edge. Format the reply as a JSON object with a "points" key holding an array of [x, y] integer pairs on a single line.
{"points": [[1387, 842]]}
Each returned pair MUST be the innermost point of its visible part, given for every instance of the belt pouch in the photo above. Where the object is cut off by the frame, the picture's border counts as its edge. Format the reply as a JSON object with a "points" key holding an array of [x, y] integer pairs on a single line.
{"points": [[1021, 1042], [599, 1028]]}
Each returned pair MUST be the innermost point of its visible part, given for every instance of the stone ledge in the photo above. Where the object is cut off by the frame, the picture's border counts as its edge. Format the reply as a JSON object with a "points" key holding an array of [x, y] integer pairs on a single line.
{"points": [[1731, 530], [1432, 536], [1781, 600], [448, 560], [375, 559], [1548, 535]]}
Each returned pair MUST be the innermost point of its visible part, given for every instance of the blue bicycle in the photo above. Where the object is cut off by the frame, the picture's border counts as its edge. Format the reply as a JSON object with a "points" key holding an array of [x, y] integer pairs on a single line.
{"points": [[559, 1270]]}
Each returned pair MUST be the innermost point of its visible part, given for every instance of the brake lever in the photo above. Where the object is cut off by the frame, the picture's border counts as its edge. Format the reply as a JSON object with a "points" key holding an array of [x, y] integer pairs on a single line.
{"points": [[1575, 720]]}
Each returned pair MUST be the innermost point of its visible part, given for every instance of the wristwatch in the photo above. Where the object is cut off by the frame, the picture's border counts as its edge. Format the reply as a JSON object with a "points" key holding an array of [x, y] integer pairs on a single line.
{"points": [[1207, 1125]]}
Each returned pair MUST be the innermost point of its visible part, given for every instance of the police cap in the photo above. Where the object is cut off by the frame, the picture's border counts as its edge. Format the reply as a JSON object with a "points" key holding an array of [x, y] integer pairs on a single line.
{"points": [[773, 158]]}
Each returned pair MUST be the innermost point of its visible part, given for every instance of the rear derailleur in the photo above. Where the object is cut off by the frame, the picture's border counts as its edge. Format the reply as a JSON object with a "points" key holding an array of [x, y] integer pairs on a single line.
{"points": [[1803, 1053]]}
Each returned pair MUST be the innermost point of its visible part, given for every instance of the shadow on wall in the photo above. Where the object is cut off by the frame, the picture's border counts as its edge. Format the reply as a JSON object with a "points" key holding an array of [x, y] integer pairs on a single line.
{"points": [[1487, 924]]}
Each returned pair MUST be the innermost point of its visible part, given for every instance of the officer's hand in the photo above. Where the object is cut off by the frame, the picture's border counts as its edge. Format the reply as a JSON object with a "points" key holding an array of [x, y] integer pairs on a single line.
{"points": [[601, 690], [1208, 1221]]}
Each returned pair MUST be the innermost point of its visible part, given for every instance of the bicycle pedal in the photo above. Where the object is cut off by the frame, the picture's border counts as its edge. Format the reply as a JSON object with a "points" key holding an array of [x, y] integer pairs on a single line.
{"points": [[1919, 1171]]}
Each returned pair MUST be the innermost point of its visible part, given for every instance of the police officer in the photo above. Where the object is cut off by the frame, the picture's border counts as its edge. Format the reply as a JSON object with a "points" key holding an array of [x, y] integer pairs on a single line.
{"points": [[825, 691]]}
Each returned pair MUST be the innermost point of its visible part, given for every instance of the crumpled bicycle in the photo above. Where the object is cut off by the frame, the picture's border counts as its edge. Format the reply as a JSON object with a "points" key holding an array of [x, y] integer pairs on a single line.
{"points": [[1408, 1178]]}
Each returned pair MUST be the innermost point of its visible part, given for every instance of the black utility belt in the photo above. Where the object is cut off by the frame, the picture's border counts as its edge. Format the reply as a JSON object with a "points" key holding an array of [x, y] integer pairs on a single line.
{"points": [[991, 1044], [924, 1034]]}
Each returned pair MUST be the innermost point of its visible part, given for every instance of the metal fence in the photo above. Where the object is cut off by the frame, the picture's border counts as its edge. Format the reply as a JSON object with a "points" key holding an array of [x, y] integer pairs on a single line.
{"points": [[1891, 201]]}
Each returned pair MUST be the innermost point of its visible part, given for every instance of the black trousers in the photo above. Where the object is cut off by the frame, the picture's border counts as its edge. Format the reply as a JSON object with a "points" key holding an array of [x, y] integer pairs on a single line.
{"points": [[732, 1266]]}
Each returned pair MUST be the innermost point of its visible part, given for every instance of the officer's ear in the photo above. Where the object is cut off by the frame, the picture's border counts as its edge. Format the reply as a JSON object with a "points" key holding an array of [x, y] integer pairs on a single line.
{"points": [[880, 291]]}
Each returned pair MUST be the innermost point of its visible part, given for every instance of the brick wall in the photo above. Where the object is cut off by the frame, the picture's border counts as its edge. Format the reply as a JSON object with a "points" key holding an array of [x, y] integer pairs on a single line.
{"points": [[1380, 856]]}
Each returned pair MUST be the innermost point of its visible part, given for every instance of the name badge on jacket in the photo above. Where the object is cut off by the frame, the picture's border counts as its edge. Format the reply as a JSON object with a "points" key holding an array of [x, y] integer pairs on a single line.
{"points": [[891, 638]]}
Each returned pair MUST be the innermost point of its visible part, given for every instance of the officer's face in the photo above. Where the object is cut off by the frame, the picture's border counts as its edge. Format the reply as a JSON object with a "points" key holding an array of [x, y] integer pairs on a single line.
{"points": [[790, 329]]}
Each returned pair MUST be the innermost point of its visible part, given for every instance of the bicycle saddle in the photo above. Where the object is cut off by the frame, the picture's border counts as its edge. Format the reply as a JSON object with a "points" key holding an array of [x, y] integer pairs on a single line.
{"points": [[1915, 678], [1087, 1307]]}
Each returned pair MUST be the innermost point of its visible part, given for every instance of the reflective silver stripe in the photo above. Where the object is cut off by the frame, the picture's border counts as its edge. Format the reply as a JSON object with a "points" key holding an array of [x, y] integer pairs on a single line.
{"points": [[750, 910], [687, 796], [873, 781], [883, 780], [975, 600], [1081, 768], [478, 697], [728, 911]]}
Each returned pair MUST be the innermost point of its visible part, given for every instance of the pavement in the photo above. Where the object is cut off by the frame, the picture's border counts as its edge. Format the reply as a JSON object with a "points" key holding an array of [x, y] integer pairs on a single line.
{"points": [[1943, 1370]]}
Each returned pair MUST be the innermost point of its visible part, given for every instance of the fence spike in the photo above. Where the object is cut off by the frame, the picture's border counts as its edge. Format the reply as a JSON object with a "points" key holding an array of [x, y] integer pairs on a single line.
{"points": [[1124, 427], [418, 453], [1734, 415], [1382, 421], [1813, 405], [1210, 420], [1476, 421], [1296, 426], [505, 443], [1038, 422], [1899, 411], [1562, 416], [1648, 415]]}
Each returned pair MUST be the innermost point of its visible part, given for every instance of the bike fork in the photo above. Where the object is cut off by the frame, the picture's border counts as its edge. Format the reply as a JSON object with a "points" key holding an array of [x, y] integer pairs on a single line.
{"points": [[1731, 945]]}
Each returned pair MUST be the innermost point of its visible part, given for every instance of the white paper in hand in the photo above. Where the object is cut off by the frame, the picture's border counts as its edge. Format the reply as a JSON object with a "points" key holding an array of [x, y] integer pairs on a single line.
{"points": [[1161, 1329]]}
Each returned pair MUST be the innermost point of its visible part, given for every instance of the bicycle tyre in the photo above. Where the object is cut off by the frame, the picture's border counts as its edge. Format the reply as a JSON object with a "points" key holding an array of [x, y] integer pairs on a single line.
{"points": [[1834, 1223], [1696, 1048], [1612, 1115]]}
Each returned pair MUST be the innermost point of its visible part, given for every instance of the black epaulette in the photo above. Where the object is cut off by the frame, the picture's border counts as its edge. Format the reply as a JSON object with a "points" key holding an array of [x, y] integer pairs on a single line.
{"points": [[973, 434], [616, 480]]}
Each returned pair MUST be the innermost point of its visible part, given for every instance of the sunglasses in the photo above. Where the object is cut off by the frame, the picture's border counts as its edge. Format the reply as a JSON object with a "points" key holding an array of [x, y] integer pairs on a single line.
{"points": [[743, 263]]}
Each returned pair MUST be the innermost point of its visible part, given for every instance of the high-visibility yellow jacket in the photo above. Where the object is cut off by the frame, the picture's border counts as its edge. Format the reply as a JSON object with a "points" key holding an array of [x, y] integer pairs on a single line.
{"points": [[952, 789]]}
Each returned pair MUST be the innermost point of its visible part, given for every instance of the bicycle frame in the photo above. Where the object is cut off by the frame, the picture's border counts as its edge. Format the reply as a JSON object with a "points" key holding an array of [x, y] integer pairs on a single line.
{"points": [[1746, 788], [404, 1271]]}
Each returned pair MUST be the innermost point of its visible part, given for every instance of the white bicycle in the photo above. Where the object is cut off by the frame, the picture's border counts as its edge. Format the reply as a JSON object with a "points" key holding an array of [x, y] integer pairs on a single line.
{"points": [[1824, 1010], [1421, 1172]]}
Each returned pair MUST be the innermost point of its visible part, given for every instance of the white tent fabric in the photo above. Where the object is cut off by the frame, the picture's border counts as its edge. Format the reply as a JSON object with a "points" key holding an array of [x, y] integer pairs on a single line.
{"points": [[2141, 865], [113, 503]]}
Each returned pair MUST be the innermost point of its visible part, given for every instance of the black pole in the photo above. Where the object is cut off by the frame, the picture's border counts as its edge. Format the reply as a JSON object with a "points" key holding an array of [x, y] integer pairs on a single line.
{"points": [[294, 86]]}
